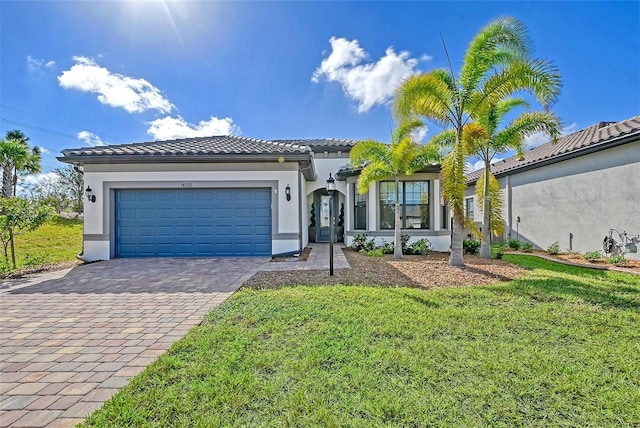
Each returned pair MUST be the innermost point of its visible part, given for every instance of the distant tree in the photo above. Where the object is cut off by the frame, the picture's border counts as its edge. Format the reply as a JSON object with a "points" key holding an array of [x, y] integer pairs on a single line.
{"points": [[17, 158], [19, 215], [72, 183], [49, 191]]}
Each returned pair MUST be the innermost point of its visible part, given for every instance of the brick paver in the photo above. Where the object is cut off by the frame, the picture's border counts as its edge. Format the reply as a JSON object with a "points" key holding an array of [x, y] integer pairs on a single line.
{"points": [[70, 339]]}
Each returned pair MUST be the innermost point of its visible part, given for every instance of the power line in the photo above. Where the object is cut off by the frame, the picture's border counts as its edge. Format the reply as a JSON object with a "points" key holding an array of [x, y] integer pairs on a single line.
{"points": [[37, 128]]}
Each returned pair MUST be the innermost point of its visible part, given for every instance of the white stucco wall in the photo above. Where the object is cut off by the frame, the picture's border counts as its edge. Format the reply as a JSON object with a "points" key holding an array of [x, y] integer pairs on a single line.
{"points": [[584, 196], [104, 179]]}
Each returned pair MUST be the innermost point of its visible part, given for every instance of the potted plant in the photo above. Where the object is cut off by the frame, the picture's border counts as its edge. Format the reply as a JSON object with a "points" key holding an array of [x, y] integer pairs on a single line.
{"points": [[312, 223], [340, 227]]}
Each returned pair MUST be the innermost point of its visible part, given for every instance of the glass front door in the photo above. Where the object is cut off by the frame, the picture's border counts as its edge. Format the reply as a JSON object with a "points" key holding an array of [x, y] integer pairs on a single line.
{"points": [[322, 206]]}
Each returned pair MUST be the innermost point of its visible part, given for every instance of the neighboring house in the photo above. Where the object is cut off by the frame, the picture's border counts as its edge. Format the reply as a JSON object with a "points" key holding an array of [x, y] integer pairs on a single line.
{"points": [[235, 196], [572, 191]]}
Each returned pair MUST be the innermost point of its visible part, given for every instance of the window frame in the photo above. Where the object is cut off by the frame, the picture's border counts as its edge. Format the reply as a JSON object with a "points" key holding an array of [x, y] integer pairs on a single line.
{"points": [[382, 204]]}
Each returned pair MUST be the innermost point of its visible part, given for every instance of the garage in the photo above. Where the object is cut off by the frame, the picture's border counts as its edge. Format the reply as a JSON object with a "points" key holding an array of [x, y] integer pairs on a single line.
{"points": [[192, 222]]}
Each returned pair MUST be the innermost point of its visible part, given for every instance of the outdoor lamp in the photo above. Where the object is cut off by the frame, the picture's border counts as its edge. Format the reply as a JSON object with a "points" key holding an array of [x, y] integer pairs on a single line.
{"points": [[90, 196], [331, 187], [331, 183], [287, 192]]}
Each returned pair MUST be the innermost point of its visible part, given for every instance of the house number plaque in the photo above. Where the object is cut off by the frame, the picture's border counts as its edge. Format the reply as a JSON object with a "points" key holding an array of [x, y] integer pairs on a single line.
{"points": [[186, 184]]}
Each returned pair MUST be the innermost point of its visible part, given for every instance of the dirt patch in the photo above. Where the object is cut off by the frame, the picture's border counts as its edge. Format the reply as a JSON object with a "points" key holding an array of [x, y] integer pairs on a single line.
{"points": [[412, 271]]}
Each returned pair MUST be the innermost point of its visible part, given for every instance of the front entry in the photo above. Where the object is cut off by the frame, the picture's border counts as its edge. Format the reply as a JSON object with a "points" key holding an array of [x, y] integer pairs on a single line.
{"points": [[322, 199]]}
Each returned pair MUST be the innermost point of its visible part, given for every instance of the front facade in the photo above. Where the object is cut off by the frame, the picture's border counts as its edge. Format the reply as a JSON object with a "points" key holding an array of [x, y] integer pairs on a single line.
{"points": [[237, 196], [572, 191]]}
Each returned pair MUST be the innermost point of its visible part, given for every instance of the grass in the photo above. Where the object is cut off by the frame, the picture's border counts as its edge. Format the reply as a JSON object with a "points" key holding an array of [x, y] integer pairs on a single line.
{"points": [[556, 348], [59, 240]]}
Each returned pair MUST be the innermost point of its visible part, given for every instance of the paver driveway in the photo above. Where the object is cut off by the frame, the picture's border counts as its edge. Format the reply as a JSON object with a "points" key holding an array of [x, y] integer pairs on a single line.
{"points": [[67, 345]]}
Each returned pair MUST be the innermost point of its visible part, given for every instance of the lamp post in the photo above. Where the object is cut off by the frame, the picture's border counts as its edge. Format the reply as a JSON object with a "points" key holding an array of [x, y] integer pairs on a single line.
{"points": [[331, 187]]}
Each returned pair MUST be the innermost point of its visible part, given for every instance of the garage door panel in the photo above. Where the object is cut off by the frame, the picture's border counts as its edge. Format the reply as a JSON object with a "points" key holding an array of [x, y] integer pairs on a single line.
{"points": [[193, 222]]}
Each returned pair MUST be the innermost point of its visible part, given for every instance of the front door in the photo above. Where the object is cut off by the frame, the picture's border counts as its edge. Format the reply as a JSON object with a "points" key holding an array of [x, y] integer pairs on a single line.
{"points": [[322, 201]]}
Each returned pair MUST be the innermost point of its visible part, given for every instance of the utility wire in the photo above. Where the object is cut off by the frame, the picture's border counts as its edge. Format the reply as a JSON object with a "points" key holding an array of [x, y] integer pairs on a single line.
{"points": [[37, 128]]}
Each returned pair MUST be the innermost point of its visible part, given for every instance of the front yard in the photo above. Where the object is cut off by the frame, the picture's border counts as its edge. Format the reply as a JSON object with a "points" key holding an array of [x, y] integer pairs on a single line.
{"points": [[557, 347]]}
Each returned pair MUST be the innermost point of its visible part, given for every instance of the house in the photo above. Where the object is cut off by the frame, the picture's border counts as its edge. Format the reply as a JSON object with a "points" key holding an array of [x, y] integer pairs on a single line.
{"points": [[572, 191], [236, 196]]}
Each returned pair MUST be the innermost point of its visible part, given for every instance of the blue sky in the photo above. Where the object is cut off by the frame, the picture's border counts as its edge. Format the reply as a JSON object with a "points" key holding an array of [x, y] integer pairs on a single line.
{"points": [[84, 72]]}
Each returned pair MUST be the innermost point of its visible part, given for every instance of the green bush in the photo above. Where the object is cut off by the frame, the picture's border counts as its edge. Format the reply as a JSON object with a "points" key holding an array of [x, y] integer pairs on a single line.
{"points": [[421, 247], [554, 248], [471, 246], [526, 246], [373, 253], [514, 243], [592, 256], [360, 243], [617, 260], [386, 247], [497, 251]]}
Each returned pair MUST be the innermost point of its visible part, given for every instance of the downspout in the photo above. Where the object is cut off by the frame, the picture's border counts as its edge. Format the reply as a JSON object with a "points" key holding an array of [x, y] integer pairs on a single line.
{"points": [[300, 196]]}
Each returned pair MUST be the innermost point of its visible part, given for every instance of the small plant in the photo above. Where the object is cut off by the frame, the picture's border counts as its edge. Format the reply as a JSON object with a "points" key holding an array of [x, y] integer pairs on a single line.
{"points": [[421, 247], [471, 246], [386, 247], [514, 244], [592, 256], [618, 259], [35, 260], [526, 247], [497, 251], [312, 220], [359, 241], [404, 239], [554, 248]]}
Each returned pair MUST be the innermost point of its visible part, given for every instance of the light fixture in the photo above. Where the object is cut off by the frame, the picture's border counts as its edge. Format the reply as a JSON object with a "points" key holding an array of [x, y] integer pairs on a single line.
{"points": [[90, 196], [331, 187], [287, 192]]}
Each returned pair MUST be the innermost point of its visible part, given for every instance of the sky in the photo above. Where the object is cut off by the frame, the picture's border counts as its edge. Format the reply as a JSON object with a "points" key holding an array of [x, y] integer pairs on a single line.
{"points": [[83, 73]]}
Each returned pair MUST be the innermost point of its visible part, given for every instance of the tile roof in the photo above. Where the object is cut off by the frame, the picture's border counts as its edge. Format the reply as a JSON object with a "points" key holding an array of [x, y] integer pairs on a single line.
{"points": [[322, 142], [589, 138], [217, 145]]}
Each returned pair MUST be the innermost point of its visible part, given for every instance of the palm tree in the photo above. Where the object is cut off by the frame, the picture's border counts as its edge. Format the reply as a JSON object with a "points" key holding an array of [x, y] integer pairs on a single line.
{"points": [[499, 141], [382, 161], [495, 66], [17, 157]]}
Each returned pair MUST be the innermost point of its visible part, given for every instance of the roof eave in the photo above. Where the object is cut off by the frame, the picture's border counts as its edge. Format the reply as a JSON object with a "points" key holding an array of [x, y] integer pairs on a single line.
{"points": [[196, 158]]}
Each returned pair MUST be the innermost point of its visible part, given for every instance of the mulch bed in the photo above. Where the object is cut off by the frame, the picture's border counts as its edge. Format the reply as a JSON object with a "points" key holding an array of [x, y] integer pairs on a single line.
{"points": [[412, 271], [303, 256]]}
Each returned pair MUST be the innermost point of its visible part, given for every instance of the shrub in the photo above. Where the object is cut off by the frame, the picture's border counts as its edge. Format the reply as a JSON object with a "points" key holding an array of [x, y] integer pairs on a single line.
{"points": [[470, 246], [386, 247], [497, 251], [35, 260], [421, 247], [617, 260], [373, 253], [554, 248], [404, 239], [359, 241], [526, 246], [592, 256], [514, 244]]}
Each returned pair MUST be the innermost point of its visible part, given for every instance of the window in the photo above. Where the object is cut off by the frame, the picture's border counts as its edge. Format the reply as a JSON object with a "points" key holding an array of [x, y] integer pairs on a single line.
{"points": [[414, 204], [468, 208], [445, 214], [360, 211]]}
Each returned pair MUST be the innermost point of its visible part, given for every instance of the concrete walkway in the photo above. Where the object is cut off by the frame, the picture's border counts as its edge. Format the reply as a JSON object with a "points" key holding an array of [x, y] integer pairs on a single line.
{"points": [[70, 339]]}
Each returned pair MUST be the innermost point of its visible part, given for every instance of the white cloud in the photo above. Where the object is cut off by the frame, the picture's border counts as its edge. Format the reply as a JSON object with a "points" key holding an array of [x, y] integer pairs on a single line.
{"points": [[418, 134], [44, 150], [367, 84], [540, 138], [33, 180], [170, 128], [38, 65], [479, 164], [90, 138], [114, 89]]}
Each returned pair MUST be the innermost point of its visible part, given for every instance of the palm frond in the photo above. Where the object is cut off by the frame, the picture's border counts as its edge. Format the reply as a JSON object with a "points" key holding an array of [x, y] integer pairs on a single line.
{"points": [[474, 136], [369, 151], [427, 95], [496, 224], [513, 135], [405, 128], [371, 173], [442, 140]]}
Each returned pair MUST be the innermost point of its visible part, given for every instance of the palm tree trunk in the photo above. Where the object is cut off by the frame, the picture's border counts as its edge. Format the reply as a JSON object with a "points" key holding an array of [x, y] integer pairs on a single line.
{"points": [[13, 248], [485, 246], [456, 259], [7, 180], [397, 248]]}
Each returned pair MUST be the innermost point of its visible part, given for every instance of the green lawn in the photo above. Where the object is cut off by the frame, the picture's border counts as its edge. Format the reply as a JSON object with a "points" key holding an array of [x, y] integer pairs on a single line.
{"points": [[57, 241], [557, 348]]}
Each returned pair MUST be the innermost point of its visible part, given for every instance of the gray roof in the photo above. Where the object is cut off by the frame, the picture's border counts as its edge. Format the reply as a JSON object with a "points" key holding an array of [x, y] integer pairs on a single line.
{"points": [[596, 137], [323, 144], [217, 145]]}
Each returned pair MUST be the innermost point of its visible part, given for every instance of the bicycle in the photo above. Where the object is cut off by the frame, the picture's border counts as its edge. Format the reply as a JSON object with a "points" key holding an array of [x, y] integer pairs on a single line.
{"points": [[625, 244]]}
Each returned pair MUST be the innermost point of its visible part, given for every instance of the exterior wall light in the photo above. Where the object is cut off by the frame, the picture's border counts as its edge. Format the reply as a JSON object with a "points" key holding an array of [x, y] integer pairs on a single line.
{"points": [[90, 196], [287, 192]]}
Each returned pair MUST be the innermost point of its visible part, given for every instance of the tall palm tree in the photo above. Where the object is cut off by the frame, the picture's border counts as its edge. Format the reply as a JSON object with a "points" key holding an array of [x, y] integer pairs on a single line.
{"points": [[495, 66], [382, 161], [17, 157], [499, 141]]}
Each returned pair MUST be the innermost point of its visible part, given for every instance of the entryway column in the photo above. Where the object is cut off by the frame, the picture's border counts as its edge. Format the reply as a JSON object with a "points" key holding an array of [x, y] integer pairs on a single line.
{"points": [[437, 207]]}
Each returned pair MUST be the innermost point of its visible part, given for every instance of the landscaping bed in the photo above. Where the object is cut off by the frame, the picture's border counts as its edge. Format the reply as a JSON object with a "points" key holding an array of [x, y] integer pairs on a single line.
{"points": [[427, 271]]}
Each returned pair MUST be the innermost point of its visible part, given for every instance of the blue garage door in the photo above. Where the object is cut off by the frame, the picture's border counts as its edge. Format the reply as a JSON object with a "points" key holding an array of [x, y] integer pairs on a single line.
{"points": [[193, 222]]}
